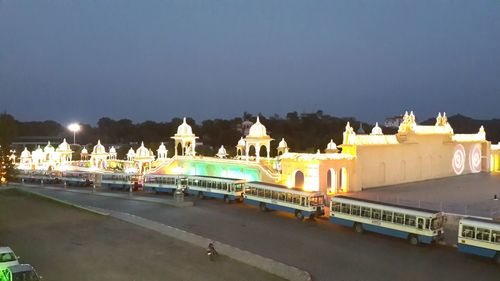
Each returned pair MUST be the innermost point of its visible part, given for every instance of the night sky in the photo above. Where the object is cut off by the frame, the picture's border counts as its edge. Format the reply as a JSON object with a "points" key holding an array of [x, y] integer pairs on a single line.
{"points": [[82, 60]]}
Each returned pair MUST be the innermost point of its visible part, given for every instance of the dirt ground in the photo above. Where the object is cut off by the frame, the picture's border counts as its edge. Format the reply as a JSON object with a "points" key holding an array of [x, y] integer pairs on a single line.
{"points": [[65, 243]]}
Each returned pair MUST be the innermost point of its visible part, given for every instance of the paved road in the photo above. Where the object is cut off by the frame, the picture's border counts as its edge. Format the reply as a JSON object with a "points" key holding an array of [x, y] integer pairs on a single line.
{"points": [[467, 194], [328, 252]]}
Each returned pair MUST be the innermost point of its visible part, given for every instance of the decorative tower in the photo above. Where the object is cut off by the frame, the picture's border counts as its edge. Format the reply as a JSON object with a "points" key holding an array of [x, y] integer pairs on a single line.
{"points": [[186, 139], [257, 137]]}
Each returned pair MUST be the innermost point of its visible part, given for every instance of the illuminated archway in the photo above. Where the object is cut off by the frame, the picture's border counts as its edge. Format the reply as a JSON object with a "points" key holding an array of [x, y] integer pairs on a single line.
{"points": [[343, 180], [263, 151], [252, 151], [331, 180], [298, 181]]}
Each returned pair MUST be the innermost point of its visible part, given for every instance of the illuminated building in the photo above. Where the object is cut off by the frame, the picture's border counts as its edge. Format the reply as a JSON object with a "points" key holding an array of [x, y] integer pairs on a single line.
{"points": [[185, 140], [495, 158], [414, 153]]}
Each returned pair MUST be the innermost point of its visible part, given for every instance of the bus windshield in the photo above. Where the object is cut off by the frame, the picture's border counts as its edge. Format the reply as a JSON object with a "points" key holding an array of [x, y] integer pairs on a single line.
{"points": [[316, 201], [437, 223]]}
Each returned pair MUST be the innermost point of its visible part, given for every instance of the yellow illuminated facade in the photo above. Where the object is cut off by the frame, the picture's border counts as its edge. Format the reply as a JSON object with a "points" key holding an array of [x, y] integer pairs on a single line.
{"points": [[415, 153]]}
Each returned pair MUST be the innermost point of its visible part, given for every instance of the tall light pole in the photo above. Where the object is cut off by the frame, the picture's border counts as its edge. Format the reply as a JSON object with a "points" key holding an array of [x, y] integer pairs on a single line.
{"points": [[74, 127]]}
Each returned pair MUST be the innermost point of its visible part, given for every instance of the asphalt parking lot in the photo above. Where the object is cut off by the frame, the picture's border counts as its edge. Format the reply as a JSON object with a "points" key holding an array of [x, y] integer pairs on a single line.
{"points": [[65, 243]]}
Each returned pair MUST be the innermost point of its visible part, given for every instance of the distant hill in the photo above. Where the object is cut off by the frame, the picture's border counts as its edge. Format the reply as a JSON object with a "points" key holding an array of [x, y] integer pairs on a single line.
{"points": [[465, 125]]}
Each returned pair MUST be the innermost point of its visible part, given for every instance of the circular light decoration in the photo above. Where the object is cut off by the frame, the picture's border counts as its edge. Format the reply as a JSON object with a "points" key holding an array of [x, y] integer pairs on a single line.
{"points": [[458, 161], [475, 159]]}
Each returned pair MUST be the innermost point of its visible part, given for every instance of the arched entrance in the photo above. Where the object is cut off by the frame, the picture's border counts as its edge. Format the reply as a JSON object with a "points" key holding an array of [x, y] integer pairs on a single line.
{"points": [[251, 151], [331, 183], [298, 179], [178, 149], [343, 180], [263, 151]]}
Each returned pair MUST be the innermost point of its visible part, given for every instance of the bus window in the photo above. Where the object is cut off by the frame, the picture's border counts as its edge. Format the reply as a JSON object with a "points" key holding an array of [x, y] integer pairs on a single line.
{"points": [[302, 201], [420, 223], [275, 195], [410, 220], [399, 218], [468, 231], [316, 200], [295, 199], [267, 193], [376, 214], [355, 210], [495, 236], [346, 208], [282, 196], [387, 216], [365, 212], [336, 206], [483, 234]]}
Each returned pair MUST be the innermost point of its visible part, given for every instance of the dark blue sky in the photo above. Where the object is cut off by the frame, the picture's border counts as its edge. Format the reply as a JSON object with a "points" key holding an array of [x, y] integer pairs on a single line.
{"points": [[81, 60]]}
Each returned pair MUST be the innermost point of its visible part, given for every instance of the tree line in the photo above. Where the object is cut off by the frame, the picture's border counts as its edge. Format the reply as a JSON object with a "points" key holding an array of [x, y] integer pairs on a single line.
{"points": [[304, 132]]}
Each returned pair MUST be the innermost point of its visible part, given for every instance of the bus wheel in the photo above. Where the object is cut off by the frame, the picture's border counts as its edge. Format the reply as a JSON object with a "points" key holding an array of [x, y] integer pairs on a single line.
{"points": [[358, 228], [200, 195], [226, 199], [312, 216], [263, 207], [299, 215], [413, 240]]}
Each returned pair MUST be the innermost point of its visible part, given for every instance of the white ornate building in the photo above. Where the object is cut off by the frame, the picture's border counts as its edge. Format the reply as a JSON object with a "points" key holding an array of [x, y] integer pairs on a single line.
{"points": [[185, 140], [257, 138]]}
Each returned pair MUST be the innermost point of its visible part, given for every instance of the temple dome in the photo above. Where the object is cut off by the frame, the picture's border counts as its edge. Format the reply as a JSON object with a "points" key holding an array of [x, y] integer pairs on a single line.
{"points": [[25, 153], [257, 130], [63, 146], [142, 151], [331, 145], [112, 150], [241, 142], [130, 153], [162, 147], [99, 148], [376, 130], [84, 151], [48, 148], [282, 143], [184, 129], [222, 152]]}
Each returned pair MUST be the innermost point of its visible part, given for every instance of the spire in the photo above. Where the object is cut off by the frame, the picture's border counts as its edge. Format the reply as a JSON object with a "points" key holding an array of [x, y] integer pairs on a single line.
{"points": [[258, 119]]}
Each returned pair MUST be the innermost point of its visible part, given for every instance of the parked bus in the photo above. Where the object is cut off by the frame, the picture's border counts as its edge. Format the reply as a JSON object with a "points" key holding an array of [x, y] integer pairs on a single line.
{"points": [[278, 197], [76, 178], [223, 188], [121, 181], [415, 224], [38, 177], [163, 183], [479, 237]]}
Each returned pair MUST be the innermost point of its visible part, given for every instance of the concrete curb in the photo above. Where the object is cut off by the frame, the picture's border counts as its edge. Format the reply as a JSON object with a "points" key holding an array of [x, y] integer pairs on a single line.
{"points": [[86, 208], [121, 196], [269, 265]]}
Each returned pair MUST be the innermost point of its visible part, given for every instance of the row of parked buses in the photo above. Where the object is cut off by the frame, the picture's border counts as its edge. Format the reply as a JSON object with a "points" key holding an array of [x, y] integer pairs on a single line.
{"points": [[475, 236]]}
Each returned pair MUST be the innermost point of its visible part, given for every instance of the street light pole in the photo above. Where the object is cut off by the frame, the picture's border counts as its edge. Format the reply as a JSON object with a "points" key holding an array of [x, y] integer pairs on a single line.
{"points": [[74, 127]]}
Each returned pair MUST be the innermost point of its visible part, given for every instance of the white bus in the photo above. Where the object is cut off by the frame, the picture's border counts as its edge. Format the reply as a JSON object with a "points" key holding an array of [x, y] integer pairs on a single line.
{"points": [[415, 224], [223, 188], [278, 197], [163, 183], [77, 178], [479, 237], [121, 181]]}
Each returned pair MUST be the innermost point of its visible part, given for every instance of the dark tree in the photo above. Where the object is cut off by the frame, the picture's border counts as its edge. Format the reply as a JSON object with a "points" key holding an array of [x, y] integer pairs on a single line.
{"points": [[8, 131]]}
